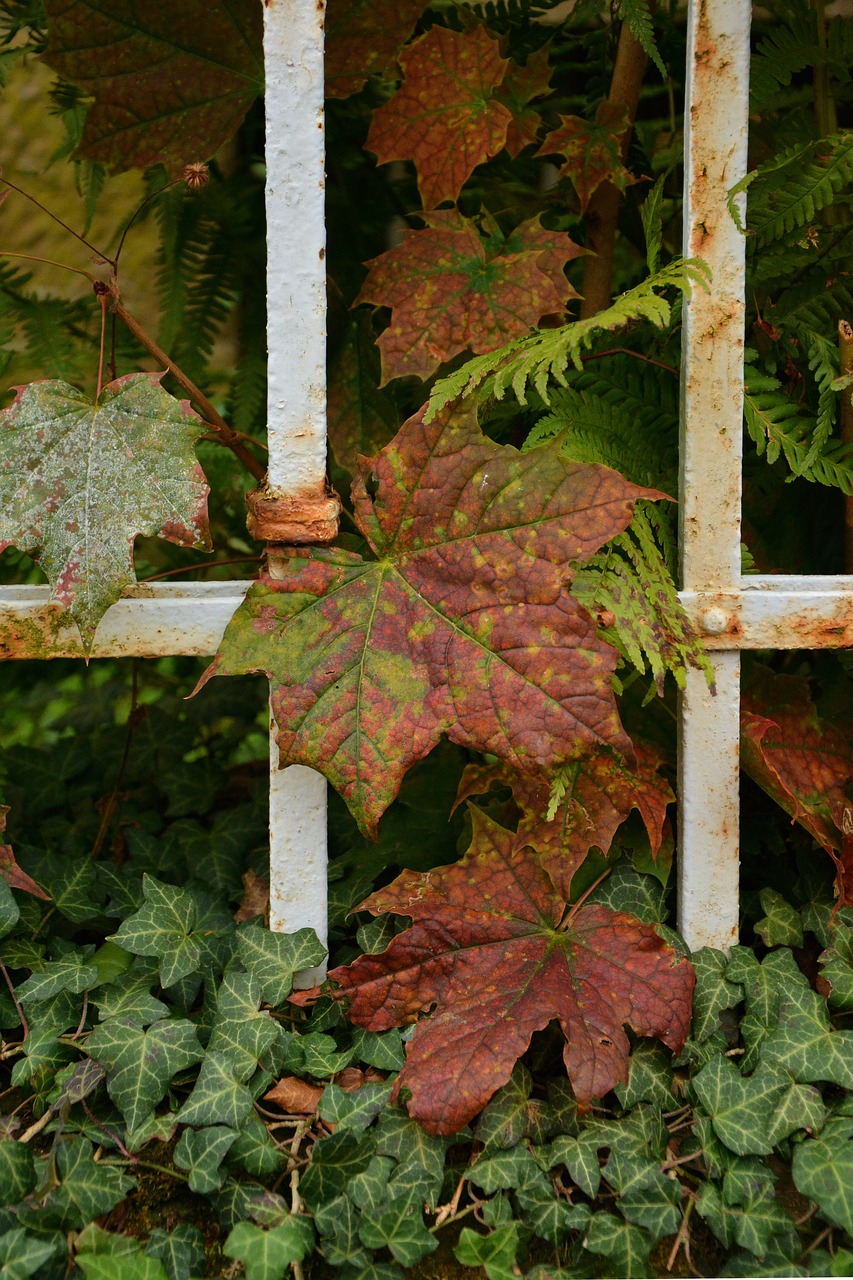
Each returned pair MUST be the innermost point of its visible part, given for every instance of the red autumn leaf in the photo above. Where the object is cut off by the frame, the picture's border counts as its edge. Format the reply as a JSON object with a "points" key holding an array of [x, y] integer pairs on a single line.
{"points": [[463, 625], [445, 116], [604, 791], [493, 948], [14, 876], [803, 761], [520, 87], [592, 151], [363, 38], [448, 293], [170, 83]]}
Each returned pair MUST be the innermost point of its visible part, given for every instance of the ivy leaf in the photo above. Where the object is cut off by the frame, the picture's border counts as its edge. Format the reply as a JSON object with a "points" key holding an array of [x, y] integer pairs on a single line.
{"points": [[140, 1063], [451, 291], [399, 1228], [445, 116], [781, 925], [593, 151], [823, 1170], [180, 1250], [85, 1190], [17, 1171], [714, 992], [129, 1266], [72, 973], [462, 625], [495, 1252], [490, 948], [79, 522], [334, 1163], [837, 967], [170, 84], [624, 1244], [164, 928], [267, 1254], [218, 1095], [201, 1152], [363, 38], [741, 1109], [801, 760], [354, 1109], [273, 958], [600, 796]]}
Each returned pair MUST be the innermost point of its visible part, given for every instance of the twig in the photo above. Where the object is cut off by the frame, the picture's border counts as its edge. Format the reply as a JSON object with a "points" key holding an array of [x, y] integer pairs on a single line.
{"points": [[228, 437], [463, 1213], [20, 190], [295, 1207], [37, 1127], [108, 1131], [81, 1024], [603, 209], [205, 564], [446, 1211], [626, 351], [683, 1236], [32, 257], [15, 1000]]}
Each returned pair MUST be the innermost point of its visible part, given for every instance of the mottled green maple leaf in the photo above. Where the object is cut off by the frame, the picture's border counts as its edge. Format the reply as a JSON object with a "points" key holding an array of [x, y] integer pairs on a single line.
{"points": [[450, 290], [170, 83], [592, 150], [495, 949], [79, 481], [445, 116], [363, 38], [463, 624]]}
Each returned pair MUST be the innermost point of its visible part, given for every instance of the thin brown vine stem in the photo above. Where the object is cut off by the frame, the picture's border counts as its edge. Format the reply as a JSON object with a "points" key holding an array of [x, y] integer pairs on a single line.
{"points": [[202, 564], [576, 906], [602, 212], [34, 257], [94, 249], [111, 1133], [103, 301], [15, 1000], [228, 437], [683, 1235], [627, 351], [109, 808], [142, 205], [81, 1024]]}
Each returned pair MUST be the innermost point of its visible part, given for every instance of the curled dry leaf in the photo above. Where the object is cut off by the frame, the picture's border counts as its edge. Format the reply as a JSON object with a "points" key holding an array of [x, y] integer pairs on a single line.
{"points": [[295, 1097], [494, 949]]}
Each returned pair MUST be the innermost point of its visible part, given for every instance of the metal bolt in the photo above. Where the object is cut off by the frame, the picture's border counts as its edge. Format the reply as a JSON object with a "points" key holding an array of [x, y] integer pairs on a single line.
{"points": [[713, 622]]}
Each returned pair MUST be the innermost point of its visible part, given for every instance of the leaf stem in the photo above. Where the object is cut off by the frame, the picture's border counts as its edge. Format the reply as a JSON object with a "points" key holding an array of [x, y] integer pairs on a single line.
{"points": [[97, 252], [102, 298], [15, 999], [627, 351], [34, 257], [229, 438]]}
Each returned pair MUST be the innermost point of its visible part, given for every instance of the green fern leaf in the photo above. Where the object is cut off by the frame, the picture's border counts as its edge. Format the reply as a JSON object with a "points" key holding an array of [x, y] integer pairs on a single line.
{"points": [[638, 17], [651, 215], [777, 426], [787, 192], [780, 55]]}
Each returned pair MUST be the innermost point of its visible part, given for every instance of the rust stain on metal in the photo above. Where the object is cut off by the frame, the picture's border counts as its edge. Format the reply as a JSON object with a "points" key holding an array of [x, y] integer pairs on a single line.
{"points": [[300, 518]]}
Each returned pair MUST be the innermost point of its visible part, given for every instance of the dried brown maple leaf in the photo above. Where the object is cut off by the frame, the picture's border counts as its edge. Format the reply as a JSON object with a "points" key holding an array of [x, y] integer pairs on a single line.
{"points": [[493, 947], [804, 762], [445, 116], [450, 290], [463, 624], [363, 37], [592, 150], [604, 791]]}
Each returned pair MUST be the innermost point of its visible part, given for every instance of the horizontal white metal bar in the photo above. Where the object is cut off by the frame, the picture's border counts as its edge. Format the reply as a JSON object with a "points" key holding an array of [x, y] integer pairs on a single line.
{"points": [[774, 613], [150, 621]]}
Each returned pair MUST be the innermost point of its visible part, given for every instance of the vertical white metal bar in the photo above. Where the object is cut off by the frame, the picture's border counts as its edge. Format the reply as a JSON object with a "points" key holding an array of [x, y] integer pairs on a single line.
{"points": [[296, 403], [716, 120]]}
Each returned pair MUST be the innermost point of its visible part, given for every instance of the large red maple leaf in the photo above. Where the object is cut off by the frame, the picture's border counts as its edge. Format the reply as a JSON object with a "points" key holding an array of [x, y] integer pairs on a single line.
{"points": [[598, 800], [463, 624], [445, 117], [363, 37], [449, 290], [804, 762], [493, 947]]}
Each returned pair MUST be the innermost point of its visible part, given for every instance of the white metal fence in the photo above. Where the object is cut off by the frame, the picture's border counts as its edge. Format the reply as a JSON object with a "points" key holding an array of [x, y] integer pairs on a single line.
{"points": [[732, 613]]}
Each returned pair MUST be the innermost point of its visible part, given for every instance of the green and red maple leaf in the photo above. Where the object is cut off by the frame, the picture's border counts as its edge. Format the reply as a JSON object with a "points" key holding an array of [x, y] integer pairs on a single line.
{"points": [[447, 116], [803, 761], [363, 38], [494, 949], [592, 151], [170, 83], [450, 290], [463, 624], [79, 481]]}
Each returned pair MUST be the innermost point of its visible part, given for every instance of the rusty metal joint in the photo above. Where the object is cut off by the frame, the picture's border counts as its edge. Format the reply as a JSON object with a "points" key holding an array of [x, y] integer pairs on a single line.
{"points": [[300, 519]]}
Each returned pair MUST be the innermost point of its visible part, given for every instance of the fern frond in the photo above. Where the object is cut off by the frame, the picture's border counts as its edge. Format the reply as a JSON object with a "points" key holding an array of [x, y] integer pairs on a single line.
{"points": [[652, 219], [630, 580], [778, 426], [823, 362], [637, 15], [781, 54], [785, 194], [546, 353]]}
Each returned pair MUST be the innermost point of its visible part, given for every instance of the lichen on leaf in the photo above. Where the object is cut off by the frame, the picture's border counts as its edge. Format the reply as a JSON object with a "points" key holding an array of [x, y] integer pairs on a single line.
{"points": [[494, 948], [445, 116], [171, 83], [451, 290], [79, 481], [462, 625]]}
